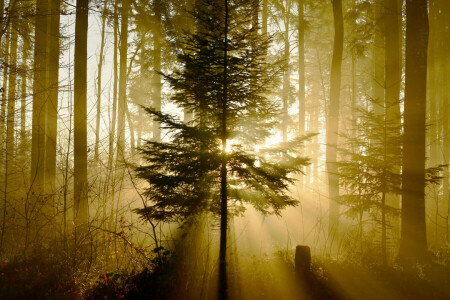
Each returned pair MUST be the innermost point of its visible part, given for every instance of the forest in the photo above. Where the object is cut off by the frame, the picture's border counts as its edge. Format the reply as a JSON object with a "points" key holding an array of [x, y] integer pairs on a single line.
{"points": [[224, 149]]}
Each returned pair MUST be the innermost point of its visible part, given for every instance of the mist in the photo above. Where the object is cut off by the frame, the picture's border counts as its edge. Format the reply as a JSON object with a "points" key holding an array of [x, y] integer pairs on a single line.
{"points": [[224, 149]]}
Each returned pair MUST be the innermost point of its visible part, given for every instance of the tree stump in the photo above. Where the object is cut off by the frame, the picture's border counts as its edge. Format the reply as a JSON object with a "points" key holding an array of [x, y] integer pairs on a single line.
{"points": [[303, 271], [302, 260]]}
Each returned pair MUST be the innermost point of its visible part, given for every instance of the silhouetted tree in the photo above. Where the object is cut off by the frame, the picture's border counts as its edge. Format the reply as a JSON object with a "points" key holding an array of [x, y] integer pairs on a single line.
{"points": [[413, 243], [368, 171], [80, 114], [224, 82], [333, 114]]}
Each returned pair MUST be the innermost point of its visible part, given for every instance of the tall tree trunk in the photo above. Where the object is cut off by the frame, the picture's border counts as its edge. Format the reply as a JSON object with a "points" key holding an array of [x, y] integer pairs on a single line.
{"points": [[2, 14], [112, 129], [4, 98], [383, 229], [52, 103], [446, 140], [9, 156], [301, 68], [39, 99], [333, 116], [433, 102], [80, 114], [99, 81], [354, 112], [445, 121], [446, 148], [413, 243], [393, 77], [188, 116], [10, 121], [301, 78], [378, 57], [393, 60], [122, 82], [265, 17], [223, 285], [157, 69], [287, 73], [23, 98], [2, 131]]}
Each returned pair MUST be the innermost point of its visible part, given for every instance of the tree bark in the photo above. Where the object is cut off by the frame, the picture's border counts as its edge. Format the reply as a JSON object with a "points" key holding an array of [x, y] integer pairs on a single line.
{"points": [[99, 82], [122, 82], [445, 121], [23, 99], [4, 98], [157, 69], [52, 102], [378, 83], [301, 68], [333, 116], [287, 73], [40, 86], [10, 121], [413, 243], [112, 129], [393, 78], [223, 285], [80, 114]]}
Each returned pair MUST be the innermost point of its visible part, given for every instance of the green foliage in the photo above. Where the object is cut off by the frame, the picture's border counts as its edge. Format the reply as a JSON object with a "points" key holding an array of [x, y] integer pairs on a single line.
{"points": [[183, 170], [370, 163]]}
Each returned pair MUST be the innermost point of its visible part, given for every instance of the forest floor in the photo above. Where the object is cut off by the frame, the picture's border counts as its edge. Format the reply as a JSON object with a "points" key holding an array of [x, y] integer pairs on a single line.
{"points": [[260, 278]]}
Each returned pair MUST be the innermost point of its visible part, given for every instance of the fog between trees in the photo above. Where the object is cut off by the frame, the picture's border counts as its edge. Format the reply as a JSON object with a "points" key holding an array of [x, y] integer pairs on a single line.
{"points": [[198, 139]]}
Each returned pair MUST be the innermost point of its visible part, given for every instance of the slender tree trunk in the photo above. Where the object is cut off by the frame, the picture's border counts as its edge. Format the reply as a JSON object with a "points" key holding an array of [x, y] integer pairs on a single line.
{"points": [[354, 113], [433, 101], [2, 130], [301, 68], [446, 148], [301, 81], [333, 115], [2, 9], [393, 77], [354, 97], [141, 100], [40, 86], [9, 156], [4, 98], [122, 82], [413, 243], [445, 121], [383, 229], [157, 68], [378, 57], [114, 117], [223, 285], [188, 116], [52, 103], [99, 81], [80, 114], [265, 17], [112, 129], [439, 11], [10, 122], [23, 98], [287, 73], [2, 20]]}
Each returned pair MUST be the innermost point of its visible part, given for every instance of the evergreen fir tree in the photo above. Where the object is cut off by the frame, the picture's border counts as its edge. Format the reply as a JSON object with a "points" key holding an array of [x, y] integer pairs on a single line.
{"points": [[210, 164], [368, 171]]}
